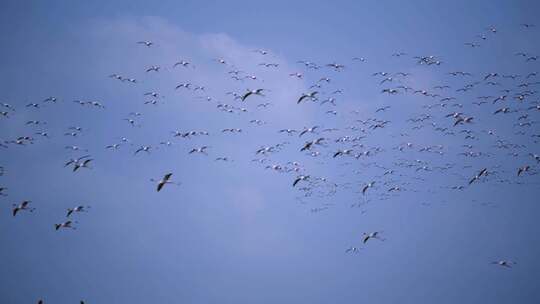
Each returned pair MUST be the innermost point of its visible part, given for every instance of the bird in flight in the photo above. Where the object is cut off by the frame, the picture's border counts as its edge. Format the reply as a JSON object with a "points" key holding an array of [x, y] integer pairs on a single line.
{"points": [[81, 164], [25, 205], [523, 169], [252, 92], [166, 179], [371, 235], [65, 225], [366, 187], [143, 148], [77, 209], [201, 150], [482, 172], [146, 43], [308, 130], [311, 96], [504, 263], [76, 160], [299, 179]]}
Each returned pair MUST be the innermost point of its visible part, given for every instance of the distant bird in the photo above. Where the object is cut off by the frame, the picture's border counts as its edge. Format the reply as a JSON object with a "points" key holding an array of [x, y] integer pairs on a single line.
{"points": [[269, 65], [471, 44], [491, 75], [299, 179], [199, 150], [523, 169], [182, 63], [352, 250], [252, 92], [153, 94], [297, 75], [66, 224], [336, 66], [461, 120], [82, 164], [113, 146], [75, 160], [366, 187], [342, 152], [382, 109], [308, 130], [361, 59], [76, 209], [504, 263], [371, 235], [22, 206], [162, 182], [308, 145], [477, 176], [153, 68], [260, 51], [143, 149], [146, 43], [288, 131], [50, 99], [502, 110], [311, 96]]}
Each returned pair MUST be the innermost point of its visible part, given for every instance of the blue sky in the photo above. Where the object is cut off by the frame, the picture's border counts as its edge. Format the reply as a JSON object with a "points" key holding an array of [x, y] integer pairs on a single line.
{"points": [[237, 232]]}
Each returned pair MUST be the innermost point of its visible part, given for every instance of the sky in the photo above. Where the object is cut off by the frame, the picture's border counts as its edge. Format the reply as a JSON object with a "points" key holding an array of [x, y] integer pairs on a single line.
{"points": [[237, 231]]}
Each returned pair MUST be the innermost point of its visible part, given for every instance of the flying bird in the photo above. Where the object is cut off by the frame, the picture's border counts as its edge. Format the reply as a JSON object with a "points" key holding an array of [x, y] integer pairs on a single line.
{"points": [[25, 205], [163, 181]]}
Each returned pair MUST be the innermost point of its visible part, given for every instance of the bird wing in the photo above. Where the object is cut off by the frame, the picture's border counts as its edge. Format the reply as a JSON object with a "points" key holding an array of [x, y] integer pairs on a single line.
{"points": [[246, 95], [366, 238], [482, 172], [167, 176]]}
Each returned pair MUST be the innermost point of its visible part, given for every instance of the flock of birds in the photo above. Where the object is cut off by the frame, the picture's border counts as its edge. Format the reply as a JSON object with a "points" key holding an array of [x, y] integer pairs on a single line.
{"points": [[461, 124]]}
